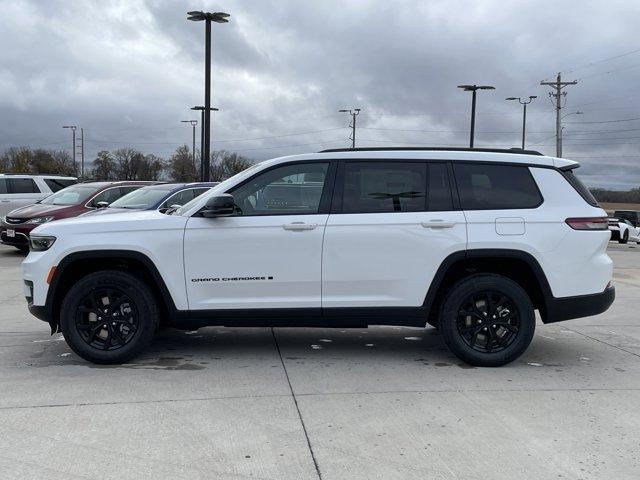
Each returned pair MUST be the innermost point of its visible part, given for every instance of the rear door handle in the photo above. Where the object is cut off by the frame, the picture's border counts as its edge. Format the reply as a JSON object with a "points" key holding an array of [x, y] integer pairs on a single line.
{"points": [[297, 226], [438, 224]]}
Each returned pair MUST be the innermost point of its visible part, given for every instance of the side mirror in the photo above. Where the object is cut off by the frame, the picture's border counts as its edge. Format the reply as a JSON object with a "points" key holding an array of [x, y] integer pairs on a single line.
{"points": [[102, 204], [221, 205], [169, 210]]}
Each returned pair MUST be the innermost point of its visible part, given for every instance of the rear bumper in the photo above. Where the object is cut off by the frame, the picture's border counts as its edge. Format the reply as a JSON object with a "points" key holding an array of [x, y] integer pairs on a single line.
{"points": [[567, 308]]}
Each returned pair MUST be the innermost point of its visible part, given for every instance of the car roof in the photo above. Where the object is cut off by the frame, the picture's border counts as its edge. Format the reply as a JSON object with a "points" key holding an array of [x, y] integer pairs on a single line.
{"points": [[37, 175]]}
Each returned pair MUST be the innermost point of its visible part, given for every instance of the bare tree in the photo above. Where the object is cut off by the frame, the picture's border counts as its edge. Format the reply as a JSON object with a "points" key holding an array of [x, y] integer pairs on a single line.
{"points": [[182, 168], [227, 164]]}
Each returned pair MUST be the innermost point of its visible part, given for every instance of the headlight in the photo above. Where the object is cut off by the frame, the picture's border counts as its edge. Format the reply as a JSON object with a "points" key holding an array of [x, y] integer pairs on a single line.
{"points": [[40, 244], [39, 220]]}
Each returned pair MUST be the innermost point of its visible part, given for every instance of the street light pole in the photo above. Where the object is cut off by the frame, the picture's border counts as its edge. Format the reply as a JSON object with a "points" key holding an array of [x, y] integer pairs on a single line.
{"points": [[473, 89], [202, 109], [193, 125], [524, 113], [560, 131], [73, 139], [218, 17], [354, 113]]}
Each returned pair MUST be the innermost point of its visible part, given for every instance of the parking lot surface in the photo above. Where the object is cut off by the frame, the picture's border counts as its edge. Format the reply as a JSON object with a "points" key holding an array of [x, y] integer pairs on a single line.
{"points": [[383, 402]]}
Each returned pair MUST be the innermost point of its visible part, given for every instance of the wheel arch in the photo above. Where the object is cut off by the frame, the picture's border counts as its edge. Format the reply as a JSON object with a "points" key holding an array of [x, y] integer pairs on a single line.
{"points": [[83, 263], [519, 266]]}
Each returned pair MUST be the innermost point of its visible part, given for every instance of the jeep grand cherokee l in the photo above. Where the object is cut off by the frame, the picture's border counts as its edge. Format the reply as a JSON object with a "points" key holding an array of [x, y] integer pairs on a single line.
{"points": [[470, 241]]}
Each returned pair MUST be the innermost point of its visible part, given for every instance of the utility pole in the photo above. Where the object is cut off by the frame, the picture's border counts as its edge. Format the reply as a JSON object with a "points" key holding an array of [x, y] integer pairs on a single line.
{"points": [[524, 113], [193, 125], [73, 141], [558, 94], [354, 113], [201, 108], [81, 153]]}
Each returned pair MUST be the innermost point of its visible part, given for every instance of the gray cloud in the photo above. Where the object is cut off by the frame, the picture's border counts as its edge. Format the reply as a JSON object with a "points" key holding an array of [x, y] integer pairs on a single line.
{"points": [[128, 71]]}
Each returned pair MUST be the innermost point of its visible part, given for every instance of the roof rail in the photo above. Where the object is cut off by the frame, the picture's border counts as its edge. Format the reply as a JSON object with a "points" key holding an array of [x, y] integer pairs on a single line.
{"points": [[434, 149]]}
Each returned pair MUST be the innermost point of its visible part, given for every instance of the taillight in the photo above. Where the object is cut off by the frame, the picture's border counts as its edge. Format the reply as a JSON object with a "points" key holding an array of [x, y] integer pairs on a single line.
{"points": [[588, 223]]}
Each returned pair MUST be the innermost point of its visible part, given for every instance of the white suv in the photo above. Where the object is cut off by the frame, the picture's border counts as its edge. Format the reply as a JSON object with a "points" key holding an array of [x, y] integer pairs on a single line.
{"points": [[18, 190], [470, 241]]}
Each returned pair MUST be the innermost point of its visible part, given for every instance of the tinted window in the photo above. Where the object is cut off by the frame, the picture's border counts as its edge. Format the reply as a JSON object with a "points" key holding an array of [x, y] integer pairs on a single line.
{"points": [[372, 187], [22, 185], [495, 187], [580, 187], [56, 184], [291, 189], [179, 198], [109, 195], [3, 185]]}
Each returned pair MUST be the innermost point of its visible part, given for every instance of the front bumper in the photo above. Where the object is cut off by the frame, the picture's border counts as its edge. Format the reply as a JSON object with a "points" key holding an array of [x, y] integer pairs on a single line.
{"points": [[567, 308], [20, 236]]}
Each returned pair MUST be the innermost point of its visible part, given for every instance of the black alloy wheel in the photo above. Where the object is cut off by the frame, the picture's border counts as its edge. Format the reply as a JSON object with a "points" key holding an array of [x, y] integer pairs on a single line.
{"points": [[107, 319], [488, 321]]}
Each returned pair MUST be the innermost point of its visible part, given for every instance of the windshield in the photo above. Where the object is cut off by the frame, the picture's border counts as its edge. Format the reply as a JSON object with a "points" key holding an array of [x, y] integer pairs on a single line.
{"points": [[141, 199], [69, 196]]}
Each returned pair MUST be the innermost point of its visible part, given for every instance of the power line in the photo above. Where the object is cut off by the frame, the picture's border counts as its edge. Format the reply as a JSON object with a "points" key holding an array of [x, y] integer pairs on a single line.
{"points": [[606, 121], [603, 60]]}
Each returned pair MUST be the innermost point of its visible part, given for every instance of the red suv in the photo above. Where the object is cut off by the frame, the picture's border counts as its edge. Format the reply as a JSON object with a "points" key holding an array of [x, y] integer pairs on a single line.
{"points": [[68, 202]]}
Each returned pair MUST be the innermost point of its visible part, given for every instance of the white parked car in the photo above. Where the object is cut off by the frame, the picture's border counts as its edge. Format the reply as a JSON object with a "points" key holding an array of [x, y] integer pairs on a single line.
{"points": [[470, 241], [623, 231], [18, 190]]}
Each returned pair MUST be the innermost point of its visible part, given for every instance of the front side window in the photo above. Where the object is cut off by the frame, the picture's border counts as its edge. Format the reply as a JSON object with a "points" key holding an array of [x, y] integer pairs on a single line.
{"points": [[484, 186], [288, 190], [179, 198], [381, 187], [3, 185], [22, 185], [109, 195]]}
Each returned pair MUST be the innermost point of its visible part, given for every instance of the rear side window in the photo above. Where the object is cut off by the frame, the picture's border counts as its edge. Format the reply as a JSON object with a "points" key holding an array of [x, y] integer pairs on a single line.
{"points": [[22, 185], [484, 186], [580, 187], [56, 184], [377, 187]]}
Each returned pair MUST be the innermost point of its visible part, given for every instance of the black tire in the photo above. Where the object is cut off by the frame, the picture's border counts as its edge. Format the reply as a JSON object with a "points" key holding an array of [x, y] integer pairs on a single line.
{"points": [[464, 319], [625, 237], [132, 317]]}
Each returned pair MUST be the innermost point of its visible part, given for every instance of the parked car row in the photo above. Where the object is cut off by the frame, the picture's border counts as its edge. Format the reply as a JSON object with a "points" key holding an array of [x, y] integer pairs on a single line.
{"points": [[44, 198]]}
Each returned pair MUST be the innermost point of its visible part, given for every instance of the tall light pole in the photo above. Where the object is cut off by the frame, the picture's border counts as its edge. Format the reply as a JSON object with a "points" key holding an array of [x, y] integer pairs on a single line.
{"points": [[524, 113], [201, 108], [559, 146], [193, 125], [354, 113], [73, 139], [218, 17], [473, 89]]}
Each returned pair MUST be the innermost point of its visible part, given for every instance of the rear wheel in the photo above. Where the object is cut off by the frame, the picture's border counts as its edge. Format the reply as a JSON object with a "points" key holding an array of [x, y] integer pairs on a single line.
{"points": [[624, 238], [487, 320], [109, 317]]}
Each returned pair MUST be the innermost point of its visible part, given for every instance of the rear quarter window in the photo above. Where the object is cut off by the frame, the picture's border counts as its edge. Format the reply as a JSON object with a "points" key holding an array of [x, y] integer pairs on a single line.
{"points": [[580, 187], [483, 186]]}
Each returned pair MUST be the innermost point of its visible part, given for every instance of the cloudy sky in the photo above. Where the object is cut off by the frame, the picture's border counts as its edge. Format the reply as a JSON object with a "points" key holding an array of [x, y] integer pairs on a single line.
{"points": [[128, 71]]}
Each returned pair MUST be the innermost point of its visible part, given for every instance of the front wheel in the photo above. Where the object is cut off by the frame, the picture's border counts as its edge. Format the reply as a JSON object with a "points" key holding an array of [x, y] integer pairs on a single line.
{"points": [[487, 320], [109, 317]]}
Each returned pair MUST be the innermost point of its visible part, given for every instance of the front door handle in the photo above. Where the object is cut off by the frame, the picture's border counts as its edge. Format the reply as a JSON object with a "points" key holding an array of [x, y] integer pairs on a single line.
{"points": [[297, 226], [438, 224]]}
